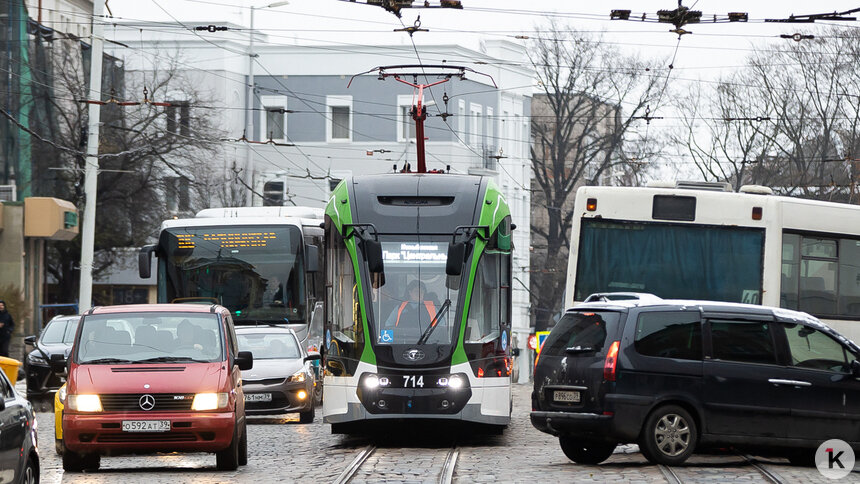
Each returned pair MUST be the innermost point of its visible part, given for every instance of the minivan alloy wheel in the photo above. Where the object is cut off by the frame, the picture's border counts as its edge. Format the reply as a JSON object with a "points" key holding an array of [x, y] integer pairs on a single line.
{"points": [[672, 434]]}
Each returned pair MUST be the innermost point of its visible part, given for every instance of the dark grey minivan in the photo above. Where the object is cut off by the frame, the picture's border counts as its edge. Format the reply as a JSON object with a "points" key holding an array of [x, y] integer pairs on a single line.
{"points": [[676, 375]]}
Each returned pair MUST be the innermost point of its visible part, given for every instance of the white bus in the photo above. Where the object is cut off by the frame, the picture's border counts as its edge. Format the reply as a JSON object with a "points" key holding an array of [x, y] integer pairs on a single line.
{"points": [[262, 263], [702, 241]]}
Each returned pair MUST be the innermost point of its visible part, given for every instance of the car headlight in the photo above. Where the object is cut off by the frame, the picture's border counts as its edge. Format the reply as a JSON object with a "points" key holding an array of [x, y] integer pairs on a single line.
{"points": [[298, 376], [209, 401], [84, 403], [35, 359], [61, 393]]}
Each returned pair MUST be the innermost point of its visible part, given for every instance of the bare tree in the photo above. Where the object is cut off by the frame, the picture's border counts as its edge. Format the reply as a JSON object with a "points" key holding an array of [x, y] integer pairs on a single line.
{"points": [[788, 119], [150, 155], [583, 126]]}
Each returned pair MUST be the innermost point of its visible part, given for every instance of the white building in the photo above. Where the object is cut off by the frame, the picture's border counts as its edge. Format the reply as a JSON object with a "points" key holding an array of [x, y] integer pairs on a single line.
{"points": [[321, 130]]}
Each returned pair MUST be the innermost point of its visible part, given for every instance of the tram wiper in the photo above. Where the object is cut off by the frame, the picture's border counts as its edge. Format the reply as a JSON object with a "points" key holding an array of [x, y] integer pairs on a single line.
{"points": [[429, 330]]}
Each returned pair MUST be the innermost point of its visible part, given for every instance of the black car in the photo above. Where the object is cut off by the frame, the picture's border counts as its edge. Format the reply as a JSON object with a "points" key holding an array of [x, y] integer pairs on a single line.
{"points": [[674, 376], [19, 457], [56, 337]]}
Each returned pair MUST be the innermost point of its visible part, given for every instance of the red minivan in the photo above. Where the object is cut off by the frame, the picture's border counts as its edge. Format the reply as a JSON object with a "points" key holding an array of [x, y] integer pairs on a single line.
{"points": [[155, 378]]}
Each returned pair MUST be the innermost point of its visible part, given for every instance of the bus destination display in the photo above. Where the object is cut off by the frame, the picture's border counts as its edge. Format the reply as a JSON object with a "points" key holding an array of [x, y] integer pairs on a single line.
{"points": [[226, 241]]}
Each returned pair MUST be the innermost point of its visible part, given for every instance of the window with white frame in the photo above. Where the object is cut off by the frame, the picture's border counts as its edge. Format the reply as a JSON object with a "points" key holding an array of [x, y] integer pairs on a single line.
{"points": [[461, 115], [339, 125], [178, 115], [491, 142], [475, 118], [273, 118]]}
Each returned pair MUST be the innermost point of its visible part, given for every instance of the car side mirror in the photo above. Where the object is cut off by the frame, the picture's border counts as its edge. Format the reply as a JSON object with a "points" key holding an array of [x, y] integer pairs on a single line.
{"points": [[456, 257], [313, 356], [144, 261], [515, 352], [245, 360], [855, 368], [2, 404], [312, 261], [30, 340], [373, 254], [58, 363]]}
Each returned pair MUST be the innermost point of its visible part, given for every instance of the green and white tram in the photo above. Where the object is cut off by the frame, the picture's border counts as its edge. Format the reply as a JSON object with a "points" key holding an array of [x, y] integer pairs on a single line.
{"points": [[417, 300]]}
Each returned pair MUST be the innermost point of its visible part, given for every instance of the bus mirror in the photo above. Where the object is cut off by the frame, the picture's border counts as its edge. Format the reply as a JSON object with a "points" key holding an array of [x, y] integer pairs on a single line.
{"points": [[144, 261], [373, 255], [456, 257], [312, 261]]}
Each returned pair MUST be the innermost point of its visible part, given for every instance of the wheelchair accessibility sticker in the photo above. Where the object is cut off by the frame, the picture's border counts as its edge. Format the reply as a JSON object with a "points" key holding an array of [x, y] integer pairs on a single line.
{"points": [[386, 336]]}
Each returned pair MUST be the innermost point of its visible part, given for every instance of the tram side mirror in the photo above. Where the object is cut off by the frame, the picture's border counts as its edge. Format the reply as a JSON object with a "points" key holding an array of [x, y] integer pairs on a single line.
{"points": [[515, 352], [312, 261], [855, 368], [456, 258], [373, 255], [144, 261]]}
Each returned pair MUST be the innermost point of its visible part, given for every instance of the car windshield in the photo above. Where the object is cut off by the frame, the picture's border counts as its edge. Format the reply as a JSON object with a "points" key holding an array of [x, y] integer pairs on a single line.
{"points": [[150, 337], [269, 346], [60, 331]]}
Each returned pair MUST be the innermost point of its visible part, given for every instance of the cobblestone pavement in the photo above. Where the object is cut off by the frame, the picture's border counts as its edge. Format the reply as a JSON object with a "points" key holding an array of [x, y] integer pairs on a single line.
{"points": [[282, 450]]}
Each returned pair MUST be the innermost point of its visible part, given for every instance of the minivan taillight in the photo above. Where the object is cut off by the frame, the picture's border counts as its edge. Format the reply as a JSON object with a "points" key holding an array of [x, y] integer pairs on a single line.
{"points": [[610, 362]]}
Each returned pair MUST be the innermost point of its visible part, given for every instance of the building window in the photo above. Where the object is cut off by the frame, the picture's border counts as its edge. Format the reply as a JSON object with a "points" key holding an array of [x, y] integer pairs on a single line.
{"points": [[178, 118], [491, 129], [339, 127], [461, 114], [475, 118], [273, 119]]}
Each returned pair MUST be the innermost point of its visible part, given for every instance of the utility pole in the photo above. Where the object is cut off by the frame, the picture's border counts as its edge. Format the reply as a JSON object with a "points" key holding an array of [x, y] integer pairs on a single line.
{"points": [[249, 111], [249, 119], [91, 173]]}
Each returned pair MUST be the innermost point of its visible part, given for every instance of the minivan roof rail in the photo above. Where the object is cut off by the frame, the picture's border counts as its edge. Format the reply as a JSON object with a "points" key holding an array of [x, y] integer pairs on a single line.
{"points": [[621, 296]]}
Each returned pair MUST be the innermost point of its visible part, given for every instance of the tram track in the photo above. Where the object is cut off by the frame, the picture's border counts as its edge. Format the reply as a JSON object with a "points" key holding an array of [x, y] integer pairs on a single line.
{"points": [[357, 469], [673, 474]]}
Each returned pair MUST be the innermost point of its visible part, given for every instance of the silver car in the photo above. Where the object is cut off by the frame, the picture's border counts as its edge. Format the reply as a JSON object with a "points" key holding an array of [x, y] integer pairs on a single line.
{"points": [[282, 380]]}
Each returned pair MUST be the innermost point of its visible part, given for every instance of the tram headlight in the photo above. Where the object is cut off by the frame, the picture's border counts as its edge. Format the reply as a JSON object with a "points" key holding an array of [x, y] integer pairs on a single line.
{"points": [[455, 382], [372, 381]]}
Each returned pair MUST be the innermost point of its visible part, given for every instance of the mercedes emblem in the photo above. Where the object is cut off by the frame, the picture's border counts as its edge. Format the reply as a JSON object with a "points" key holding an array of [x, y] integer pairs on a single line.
{"points": [[146, 402]]}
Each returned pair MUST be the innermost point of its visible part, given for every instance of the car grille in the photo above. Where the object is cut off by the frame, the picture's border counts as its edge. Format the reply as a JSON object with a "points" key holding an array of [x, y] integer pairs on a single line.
{"points": [[130, 402], [148, 437], [267, 381]]}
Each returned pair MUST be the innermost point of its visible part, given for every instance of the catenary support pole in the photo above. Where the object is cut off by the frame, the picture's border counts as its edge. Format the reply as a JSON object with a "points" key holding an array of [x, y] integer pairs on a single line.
{"points": [[91, 172]]}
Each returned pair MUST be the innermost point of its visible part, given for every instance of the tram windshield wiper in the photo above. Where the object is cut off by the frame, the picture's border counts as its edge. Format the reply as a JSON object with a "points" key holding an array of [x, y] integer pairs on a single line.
{"points": [[429, 330]]}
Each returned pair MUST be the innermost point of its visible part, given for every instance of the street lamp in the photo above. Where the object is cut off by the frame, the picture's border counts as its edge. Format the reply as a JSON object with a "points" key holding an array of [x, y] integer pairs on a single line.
{"points": [[249, 117]]}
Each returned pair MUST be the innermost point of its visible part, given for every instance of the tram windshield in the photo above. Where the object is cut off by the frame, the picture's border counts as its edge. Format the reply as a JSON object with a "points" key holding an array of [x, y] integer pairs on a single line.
{"points": [[415, 305], [255, 272]]}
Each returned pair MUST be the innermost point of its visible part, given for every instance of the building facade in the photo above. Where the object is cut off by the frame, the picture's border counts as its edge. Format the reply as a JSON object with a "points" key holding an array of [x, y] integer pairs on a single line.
{"points": [[312, 123]]}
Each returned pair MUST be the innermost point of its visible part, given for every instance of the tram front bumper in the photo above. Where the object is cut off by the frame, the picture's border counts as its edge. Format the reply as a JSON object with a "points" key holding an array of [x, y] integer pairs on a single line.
{"points": [[416, 401]]}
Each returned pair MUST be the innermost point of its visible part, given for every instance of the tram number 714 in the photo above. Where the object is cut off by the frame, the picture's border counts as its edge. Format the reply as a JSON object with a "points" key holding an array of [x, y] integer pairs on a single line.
{"points": [[412, 381]]}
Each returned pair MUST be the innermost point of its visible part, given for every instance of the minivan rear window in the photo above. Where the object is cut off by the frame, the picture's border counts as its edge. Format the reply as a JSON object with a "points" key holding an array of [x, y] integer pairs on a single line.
{"points": [[582, 329]]}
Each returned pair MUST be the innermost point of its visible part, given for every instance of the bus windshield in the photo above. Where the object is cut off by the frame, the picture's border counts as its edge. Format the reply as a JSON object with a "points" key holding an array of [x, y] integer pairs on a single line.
{"points": [[255, 272], [415, 305], [674, 261]]}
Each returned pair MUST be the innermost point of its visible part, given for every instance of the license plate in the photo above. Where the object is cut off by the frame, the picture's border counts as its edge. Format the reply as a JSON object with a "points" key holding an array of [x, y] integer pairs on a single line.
{"points": [[258, 397], [565, 396], [146, 425]]}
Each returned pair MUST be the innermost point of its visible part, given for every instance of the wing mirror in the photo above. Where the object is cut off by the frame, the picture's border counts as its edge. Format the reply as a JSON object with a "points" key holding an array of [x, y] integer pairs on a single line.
{"points": [[313, 356], [855, 368], [30, 340], [373, 255], [245, 360], [312, 261], [144, 261], [456, 258], [58, 363]]}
